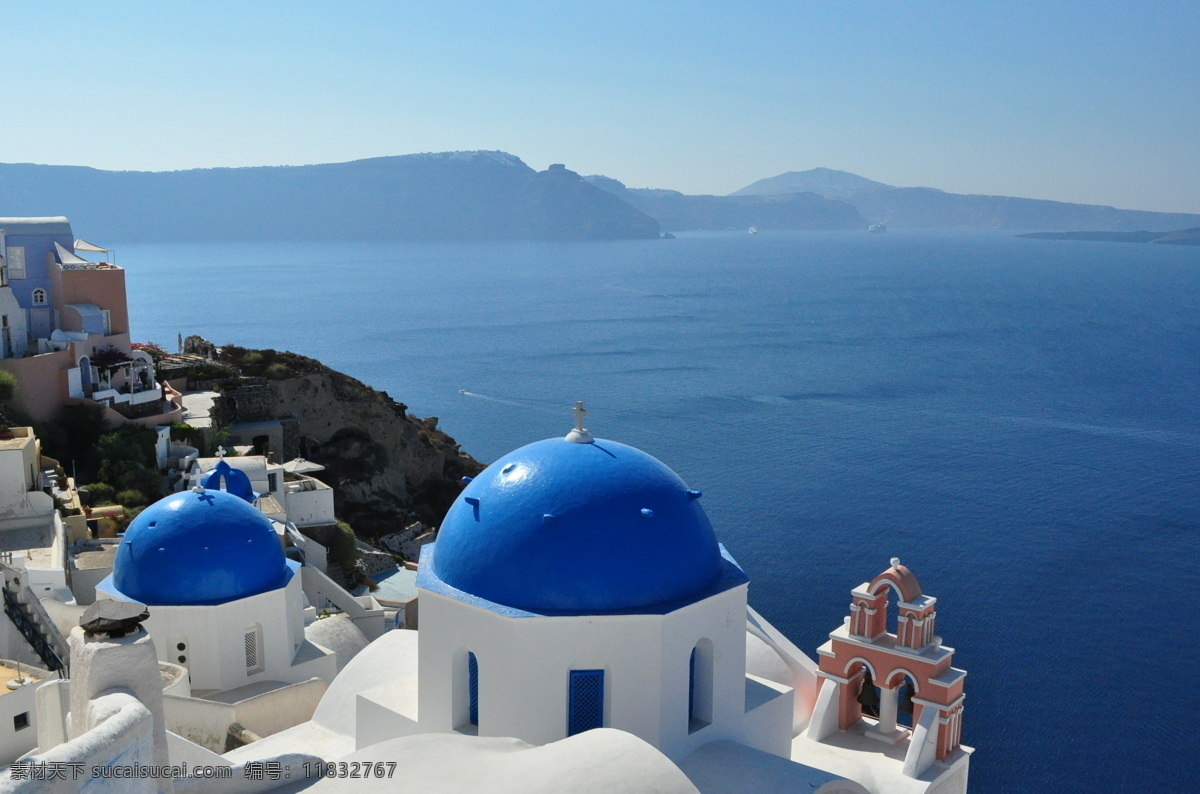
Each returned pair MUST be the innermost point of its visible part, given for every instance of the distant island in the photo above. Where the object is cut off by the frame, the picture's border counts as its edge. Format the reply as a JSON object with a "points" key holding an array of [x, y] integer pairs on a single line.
{"points": [[930, 208], [490, 195], [444, 196], [1180, 237], [676, 211]]}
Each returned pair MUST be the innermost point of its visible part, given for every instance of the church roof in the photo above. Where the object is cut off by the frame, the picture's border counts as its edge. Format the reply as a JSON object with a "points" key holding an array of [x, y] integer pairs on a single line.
{"points": [[578, 527], [199, 547], [227, 478]]}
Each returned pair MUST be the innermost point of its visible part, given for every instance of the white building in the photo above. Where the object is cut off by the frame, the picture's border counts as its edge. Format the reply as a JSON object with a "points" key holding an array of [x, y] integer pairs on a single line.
{"points": [[224, 601], [581, 630], [22, 501], [279, 493]]}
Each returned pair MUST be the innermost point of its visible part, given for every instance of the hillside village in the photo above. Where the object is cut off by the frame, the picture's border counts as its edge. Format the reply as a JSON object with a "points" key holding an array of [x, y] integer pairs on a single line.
{"points": [[95, 427], [186, 602]]}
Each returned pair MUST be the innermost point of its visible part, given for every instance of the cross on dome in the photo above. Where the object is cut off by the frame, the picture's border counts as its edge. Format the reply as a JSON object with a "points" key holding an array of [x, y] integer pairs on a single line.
{"points": [[579, 433]]}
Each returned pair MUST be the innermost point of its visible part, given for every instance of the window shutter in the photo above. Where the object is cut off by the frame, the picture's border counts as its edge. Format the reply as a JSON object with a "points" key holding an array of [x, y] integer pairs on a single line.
{"points": [[587, 701]]}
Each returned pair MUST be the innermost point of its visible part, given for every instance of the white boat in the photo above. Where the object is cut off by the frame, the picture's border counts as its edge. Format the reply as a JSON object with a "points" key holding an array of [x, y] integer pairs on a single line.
{"points": [[877, 228], [753, 230]]}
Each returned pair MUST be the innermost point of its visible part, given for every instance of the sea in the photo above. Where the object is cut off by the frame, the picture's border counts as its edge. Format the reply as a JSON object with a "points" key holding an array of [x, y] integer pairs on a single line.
{"points": [[1017, 420]]}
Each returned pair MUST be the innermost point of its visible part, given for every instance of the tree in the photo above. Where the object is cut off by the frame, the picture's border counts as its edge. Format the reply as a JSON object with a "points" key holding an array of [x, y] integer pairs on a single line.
{"points": [[8, 385], [72, 437], [128, 442]]}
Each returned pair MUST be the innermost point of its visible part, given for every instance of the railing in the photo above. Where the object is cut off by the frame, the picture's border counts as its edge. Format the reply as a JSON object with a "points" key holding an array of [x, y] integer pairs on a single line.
{"points": [[91, 266], [32, 633], [306, 484]]}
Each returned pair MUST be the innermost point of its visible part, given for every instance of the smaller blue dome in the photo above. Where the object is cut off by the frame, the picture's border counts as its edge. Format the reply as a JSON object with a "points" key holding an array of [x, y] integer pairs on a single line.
{"points": [[225, 477], [193, 547]]}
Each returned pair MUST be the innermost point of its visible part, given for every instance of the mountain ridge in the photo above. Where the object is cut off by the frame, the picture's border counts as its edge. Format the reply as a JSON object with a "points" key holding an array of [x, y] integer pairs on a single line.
{"points": [[926, 207], [827, 182], [677, 211], [445, 195]]}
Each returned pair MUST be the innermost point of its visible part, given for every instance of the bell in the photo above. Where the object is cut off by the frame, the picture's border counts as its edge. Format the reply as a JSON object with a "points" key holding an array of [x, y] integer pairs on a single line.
{"points": [[868, 697]]}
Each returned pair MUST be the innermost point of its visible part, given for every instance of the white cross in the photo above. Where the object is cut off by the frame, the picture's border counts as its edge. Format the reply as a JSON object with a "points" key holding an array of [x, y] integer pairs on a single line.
{"points": [[220, 452], [580, 413]]}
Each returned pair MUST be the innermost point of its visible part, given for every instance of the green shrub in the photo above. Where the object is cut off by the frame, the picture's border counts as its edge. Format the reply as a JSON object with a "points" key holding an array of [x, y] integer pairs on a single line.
{"points": [[64, 507], [8, 385], [128, 442], [212, 371], [100, 494], [186, 434], [127, 474], [278, 372], [72, 437], [131, 497], [343, 549]]}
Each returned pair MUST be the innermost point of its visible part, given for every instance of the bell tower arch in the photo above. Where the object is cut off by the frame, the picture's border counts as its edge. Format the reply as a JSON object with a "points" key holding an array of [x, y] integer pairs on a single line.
{"points": [[911, 661]]}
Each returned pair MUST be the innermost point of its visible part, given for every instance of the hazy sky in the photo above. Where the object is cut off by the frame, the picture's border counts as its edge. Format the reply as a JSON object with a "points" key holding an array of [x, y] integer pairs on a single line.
{"points": [[1079, 101]]}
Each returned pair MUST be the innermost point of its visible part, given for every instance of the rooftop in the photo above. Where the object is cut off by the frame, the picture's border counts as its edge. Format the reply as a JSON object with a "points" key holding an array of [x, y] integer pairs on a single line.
{"points": [[8, 673], [17, 438], [855, 755], [92, 554], [50, 225]]}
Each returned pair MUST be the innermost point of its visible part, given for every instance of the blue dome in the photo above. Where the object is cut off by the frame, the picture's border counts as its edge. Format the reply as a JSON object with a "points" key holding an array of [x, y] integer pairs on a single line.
{"points": [[563, 526], [235, 481], [199, 548]]}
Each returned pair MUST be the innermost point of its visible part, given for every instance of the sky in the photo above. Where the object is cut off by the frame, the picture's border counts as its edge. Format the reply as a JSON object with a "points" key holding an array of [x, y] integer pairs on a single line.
{"points": [[1093, 102]]}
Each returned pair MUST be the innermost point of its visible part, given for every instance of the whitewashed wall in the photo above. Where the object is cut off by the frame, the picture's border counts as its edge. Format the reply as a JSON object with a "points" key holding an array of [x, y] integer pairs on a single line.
{"points": [[525, 664], [214, 639]]}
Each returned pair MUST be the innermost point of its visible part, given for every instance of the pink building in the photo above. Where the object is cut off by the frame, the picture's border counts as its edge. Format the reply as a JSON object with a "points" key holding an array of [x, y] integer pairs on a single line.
{"points": [[886, 665], [64, 329]]}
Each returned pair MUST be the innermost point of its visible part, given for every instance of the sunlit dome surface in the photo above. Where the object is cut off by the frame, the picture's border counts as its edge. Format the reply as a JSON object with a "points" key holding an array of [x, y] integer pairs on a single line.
{"points": [[199, 548], [577, 527]]}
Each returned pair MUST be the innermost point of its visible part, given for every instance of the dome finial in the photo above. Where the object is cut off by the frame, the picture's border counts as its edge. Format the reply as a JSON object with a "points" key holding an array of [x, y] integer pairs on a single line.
{"points": [[579, 433]]}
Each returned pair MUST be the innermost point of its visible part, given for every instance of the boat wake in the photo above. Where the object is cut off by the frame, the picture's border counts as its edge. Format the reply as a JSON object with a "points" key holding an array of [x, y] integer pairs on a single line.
{"points": [[541, 405]]}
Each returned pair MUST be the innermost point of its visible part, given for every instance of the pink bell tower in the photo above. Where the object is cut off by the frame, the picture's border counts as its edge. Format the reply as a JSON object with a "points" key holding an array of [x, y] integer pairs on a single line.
{"points": [[862, 652]]}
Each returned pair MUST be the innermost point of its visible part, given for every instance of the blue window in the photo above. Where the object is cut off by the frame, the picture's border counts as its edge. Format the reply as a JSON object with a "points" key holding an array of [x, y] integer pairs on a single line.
{"points": [[586, 701], [473, 687]]}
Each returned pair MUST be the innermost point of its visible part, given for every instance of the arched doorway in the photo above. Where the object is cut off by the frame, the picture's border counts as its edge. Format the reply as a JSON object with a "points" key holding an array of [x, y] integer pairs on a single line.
{"points": [[85, 375]]}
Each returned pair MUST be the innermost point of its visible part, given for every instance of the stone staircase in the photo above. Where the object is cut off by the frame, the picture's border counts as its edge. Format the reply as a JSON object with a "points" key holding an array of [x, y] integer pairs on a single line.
{"points": [[37, 630]]}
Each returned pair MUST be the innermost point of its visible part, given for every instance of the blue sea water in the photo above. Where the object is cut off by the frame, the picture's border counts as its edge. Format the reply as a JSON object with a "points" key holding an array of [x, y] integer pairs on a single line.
{"points": [[1016, 420]]}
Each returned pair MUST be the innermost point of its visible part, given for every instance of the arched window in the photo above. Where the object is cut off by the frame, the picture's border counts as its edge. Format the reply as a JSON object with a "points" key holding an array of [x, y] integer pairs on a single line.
{"points": [[586, 701], [700, 686], [39, 297]]}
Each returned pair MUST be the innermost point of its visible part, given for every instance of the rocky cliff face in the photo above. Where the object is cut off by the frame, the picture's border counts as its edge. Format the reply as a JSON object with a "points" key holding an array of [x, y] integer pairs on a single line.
{"points": [[387, 467]]}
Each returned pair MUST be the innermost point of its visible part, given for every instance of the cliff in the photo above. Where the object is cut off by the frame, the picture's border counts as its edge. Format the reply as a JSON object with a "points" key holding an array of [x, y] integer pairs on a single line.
{"points": [[386, 466], [443, 196]]}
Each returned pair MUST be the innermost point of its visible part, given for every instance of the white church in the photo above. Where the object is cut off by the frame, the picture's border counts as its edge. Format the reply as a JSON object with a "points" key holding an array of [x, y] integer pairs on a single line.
{"points": [[581, 629]]}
